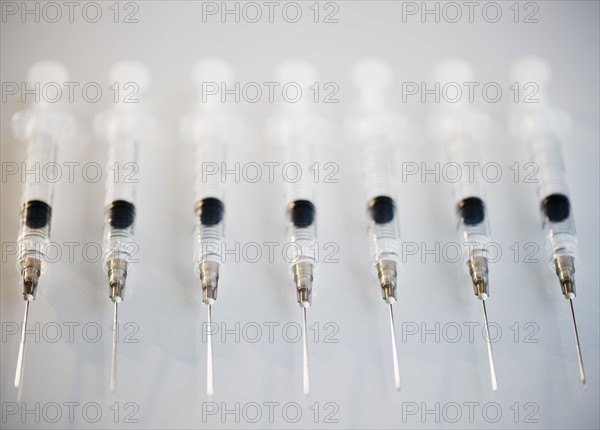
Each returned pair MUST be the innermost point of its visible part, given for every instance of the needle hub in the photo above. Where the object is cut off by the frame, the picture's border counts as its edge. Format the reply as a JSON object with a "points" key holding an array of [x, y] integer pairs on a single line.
{"points": [[303, 278], [209, 276], [117, 277], [388, 279], [565, 270], [478, 269], [31, 269]]}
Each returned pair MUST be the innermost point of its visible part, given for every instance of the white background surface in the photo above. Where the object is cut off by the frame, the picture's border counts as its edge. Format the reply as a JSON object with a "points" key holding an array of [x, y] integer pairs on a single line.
{"points": [[164, 373]]}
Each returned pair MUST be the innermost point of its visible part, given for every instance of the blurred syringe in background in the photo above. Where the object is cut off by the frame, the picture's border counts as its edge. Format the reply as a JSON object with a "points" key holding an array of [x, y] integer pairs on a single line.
{"points": [[460, 129], [125, 128], [377, 132], [44, 127], [542, 128], [210, 129]]}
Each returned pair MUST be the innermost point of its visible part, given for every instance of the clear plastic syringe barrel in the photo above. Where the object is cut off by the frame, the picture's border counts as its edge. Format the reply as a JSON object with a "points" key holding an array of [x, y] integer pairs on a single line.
{"points": [[122, 169], [299, 156], [42, 127], [542, 127], [302, 240], [36, 200], [377, 129], [209, 193], [378, 158], [464, 152], [460, 129], [209, 241], [210, 129], [298, 130], [385, 237], [553, 195], [125, 127]]}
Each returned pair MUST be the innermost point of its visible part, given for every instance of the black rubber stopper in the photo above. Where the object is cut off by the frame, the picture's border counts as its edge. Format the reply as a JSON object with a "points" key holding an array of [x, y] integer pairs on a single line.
{"points": [[471, 210], [556, 207], [302, 213], [37, 214], [122, 214], [382, 209], [211, 211]]}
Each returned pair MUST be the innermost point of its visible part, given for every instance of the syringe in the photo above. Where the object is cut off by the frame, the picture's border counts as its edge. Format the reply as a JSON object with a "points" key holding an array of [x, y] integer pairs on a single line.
{"points": [[44, 127], [124, 127], [210, 129], [377, 131], [460, 130], [298, 130], [543, 127]]}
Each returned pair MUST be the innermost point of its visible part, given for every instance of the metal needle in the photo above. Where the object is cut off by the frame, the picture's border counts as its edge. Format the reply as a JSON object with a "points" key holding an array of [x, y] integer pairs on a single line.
{"points": [[209, 356], [489, 349], [21, 358], [394, 350], [579, 358], [305, 351], [115, 339]]}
